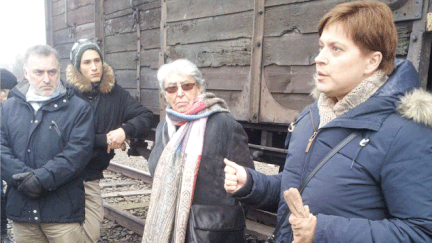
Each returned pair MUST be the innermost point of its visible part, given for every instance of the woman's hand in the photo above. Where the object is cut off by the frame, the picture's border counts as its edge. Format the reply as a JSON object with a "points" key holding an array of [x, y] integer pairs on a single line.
{"points": [[303, 228], [303, 223], [235, 176]]}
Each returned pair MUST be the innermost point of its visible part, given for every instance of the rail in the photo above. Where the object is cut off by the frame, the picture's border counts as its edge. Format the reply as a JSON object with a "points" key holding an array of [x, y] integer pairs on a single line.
{"points": [[124, 219], [131, 172]]}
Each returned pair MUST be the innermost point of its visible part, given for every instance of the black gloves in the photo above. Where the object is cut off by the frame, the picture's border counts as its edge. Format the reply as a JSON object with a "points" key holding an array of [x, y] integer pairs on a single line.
{"points": [[28, 184]]}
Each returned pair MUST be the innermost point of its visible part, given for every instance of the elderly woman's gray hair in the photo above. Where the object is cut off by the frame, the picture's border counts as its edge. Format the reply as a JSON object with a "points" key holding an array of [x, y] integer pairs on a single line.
{"points": [[182, 66]]}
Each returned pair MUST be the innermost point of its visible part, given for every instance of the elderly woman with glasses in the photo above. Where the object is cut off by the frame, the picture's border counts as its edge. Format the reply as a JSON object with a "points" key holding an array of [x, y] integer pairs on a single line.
{"points": [[187, 165]]}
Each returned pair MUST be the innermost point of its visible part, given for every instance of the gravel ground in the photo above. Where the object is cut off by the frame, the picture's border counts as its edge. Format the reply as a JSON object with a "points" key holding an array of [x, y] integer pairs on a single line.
{"points": [[137, 162], [111, 177], [111, 231], [10, 232]]}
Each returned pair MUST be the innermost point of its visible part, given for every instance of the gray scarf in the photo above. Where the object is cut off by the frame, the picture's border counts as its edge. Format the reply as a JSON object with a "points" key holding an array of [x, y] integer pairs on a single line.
{"points": [[330, 109], [36, 100]]}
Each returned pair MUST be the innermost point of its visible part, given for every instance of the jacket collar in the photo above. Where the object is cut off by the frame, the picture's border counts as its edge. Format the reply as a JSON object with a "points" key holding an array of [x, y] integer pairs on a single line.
{"points": [[21, 89], [397, 94], [75, 79]]}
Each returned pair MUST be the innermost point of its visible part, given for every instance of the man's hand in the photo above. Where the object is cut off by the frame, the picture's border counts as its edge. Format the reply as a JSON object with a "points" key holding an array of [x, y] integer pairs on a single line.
{"points": [[28, 184], [123, 146], [115, 138], [235, 176], [17, 178]]}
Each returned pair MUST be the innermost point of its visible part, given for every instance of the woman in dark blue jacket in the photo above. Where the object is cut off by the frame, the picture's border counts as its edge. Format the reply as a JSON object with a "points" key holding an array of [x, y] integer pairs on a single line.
{"points": [[377, 188]]}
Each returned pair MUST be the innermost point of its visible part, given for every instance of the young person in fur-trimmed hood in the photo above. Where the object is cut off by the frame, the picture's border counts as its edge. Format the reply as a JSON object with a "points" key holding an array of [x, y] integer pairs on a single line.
{"points": [[117, 116], [376, 188]]}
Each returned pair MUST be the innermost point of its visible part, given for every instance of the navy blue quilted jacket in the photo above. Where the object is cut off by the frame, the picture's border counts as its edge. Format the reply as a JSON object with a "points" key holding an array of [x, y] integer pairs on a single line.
{"points": [[381, 192]]}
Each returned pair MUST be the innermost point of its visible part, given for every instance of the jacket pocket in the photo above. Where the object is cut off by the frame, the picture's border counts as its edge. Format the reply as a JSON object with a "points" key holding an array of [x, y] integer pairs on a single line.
{"points": [[216, 223], [16, 203], [58, 131]]}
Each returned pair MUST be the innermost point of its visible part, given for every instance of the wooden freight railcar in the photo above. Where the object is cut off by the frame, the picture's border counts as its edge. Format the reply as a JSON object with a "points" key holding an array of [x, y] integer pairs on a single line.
{"points": [[258, 55]]}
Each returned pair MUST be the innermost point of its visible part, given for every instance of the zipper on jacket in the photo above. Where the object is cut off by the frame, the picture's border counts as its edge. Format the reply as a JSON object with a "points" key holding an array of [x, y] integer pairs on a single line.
{"points": [[312, 138], [58, 132], [56, 127]]}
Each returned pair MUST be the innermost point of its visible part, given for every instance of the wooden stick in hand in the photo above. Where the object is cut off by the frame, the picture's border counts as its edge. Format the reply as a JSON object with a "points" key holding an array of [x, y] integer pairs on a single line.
{"points": [[295, 203]]}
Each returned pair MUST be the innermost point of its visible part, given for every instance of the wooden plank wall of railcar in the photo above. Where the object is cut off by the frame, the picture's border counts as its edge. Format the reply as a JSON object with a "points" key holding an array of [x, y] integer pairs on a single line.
{"points": [[81, 16], [290, 48], [120, 40], [121, 46], [216, 36]]}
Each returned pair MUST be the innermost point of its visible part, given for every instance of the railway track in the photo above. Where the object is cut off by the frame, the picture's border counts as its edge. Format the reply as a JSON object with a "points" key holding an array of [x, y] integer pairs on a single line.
{"points": [[259, 223]]}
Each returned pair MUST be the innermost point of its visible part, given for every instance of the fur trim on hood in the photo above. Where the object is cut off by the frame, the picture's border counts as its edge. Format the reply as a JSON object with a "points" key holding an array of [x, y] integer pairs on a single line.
{"points": [[83, 84], [417, 105]]}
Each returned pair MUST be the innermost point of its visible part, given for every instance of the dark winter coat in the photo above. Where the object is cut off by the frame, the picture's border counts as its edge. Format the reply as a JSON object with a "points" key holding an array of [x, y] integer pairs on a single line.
{"points": [[377, 193], [224, 138], [55, 144], [113, 107]]}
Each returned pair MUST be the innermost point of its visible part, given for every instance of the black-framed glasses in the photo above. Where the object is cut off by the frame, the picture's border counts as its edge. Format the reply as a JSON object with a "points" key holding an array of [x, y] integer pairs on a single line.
{"points": [[184, 87]]}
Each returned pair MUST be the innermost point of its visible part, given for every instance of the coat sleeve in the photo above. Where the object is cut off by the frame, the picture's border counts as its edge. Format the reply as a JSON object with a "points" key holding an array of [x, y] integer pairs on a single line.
{"points": [[265, 189], [157, 149], [406, 182], [238, 149], [137, 119], [10, 164], [68, 164], [100, 140]]}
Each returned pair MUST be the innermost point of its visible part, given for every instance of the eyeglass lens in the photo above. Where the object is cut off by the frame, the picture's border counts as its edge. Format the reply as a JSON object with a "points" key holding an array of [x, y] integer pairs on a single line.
{"points": [[185, 87]]}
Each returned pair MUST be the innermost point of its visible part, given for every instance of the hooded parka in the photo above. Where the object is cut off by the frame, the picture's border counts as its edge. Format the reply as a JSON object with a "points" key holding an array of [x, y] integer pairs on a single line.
{"points": [[55, 143], [375, 189], [113, 108]]}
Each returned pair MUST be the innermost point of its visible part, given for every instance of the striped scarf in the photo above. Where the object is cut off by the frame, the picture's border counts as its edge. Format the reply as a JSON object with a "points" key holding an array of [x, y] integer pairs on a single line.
{"points": [[177, 170]]}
